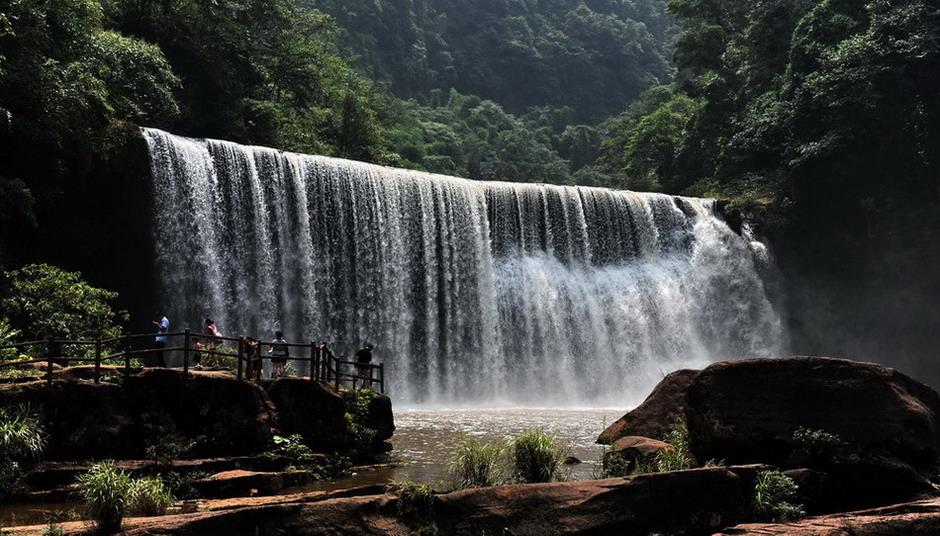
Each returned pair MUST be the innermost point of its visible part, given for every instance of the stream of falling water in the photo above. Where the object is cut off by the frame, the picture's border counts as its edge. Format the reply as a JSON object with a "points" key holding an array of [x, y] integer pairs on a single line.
{"points": [[475, 293]]}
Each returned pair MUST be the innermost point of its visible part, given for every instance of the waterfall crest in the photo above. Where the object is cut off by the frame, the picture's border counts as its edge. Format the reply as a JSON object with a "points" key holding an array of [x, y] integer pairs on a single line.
{"points": [[473, 292]]}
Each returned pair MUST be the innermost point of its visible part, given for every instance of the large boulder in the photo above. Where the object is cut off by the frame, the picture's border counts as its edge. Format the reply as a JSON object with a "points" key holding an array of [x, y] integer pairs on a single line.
{"points": [[657, 414], [748, 411], [227, 416], [311, 409], [697, 501], [87, 420], [83, 420]]}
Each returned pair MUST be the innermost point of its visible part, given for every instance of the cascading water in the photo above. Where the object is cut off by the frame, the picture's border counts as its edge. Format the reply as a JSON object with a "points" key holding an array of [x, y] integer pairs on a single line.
{"points": [[474, 292]]}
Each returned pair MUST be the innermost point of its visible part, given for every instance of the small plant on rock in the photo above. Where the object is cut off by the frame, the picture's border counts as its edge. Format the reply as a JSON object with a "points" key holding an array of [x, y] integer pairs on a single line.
{"points": [[415, 506], [22, 438], [774, 497], [477, 465], [106, 491], [679, 457], [165, 448], [536, 456], [53, 529], [819, 444], [150, 497]]}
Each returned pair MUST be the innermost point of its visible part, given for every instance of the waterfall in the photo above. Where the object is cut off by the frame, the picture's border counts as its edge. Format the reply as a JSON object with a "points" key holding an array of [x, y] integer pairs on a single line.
{"points": [[473, 292]]}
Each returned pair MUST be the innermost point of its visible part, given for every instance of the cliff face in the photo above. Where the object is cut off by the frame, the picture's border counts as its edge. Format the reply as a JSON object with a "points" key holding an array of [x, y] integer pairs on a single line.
{"points": [[862, 283], [222, 415]]}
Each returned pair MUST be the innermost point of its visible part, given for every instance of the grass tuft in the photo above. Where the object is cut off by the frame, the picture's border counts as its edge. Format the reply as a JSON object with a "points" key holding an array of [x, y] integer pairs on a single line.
{"points": [[536, 456]]}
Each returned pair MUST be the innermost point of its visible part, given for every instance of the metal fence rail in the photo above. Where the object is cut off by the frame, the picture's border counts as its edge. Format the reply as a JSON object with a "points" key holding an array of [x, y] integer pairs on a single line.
{"points": [[324, 365]]}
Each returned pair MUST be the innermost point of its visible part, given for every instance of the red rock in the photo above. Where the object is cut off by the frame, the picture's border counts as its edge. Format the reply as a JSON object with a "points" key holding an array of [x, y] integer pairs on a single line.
{"points": [[657, 414], [635, 449], [921, 518], [747, 411]]}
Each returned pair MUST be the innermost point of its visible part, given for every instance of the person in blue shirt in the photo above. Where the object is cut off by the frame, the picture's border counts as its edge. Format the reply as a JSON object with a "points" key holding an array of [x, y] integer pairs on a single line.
{"points": [[163, 327]]}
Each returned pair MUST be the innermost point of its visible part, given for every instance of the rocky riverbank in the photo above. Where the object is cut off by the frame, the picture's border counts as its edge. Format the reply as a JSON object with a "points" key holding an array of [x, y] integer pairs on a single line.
{"points": [[854, 447]]}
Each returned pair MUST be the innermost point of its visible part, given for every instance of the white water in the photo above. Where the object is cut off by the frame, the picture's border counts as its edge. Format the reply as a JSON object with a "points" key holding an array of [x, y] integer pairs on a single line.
{"points": [[474, 292]]}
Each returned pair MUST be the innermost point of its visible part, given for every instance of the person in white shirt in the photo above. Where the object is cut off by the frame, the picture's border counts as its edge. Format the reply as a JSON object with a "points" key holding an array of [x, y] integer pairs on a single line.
{"points": [[163, 327]]}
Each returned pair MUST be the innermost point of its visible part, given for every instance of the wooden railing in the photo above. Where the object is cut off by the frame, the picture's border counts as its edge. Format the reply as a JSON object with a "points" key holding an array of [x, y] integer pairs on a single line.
{"points": [[250, 353]]}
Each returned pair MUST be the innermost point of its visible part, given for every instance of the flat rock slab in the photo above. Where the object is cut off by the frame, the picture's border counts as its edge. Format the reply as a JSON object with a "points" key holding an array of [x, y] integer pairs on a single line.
{"points": [[697, 501], [919, 518]]}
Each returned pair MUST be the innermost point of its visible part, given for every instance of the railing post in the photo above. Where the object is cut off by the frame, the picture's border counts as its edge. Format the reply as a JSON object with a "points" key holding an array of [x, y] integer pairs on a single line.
{"points": [[127, 354], [49, 345], [241, 348], [186, 351], [381, 377], [335, 372], [98, 359], [313, 361]]}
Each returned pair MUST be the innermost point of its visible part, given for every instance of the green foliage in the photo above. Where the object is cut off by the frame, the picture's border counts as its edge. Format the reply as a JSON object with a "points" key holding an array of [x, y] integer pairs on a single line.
{"points": [[302, 458], [22, 438], [107, 493], [774, 494], [294, 449], [361, 435], [163, 449], [225, 358], [466, 136], [595, 56], [8, 335], [149, 496], [415, 506], [679, 457], [45, 301], [53, 529], [820, 444], [535, 456], [477, 465]]}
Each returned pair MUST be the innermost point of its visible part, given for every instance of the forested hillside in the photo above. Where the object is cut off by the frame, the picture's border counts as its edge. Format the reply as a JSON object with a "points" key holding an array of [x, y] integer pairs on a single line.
{"points": [[821, 121], [594, 56]]}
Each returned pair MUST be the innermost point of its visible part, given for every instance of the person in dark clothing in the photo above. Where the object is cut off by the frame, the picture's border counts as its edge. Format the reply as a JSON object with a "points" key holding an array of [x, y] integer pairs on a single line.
{"points": [[363, 362]]}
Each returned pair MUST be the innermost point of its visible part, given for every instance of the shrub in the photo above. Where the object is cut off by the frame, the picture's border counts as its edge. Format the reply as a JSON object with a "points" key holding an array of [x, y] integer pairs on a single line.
{"points": [[362, 436], [819, 444], [226, 359], [8, 335], [163, 449], [44, 300], [476, 465], [415, 506], [301, 458], [774, 494], [678, 457], [53, 529], [536, 456], [106, 491], [21, 438], [150, 497], [294, 449]]}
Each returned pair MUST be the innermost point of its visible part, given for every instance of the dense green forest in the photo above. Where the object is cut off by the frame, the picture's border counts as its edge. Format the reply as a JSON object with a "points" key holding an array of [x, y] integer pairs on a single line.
{"points": [[812, 117], [509, 90]]}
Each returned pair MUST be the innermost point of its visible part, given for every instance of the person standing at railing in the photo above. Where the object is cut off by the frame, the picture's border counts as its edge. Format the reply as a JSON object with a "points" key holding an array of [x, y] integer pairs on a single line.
{"points": [[279, 353], [163, 327], [211, 328], [364, 363]]}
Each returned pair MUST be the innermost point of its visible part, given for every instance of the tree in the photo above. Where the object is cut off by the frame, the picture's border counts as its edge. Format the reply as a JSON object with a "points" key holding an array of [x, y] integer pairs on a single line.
{"points": [[45, 301]]}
